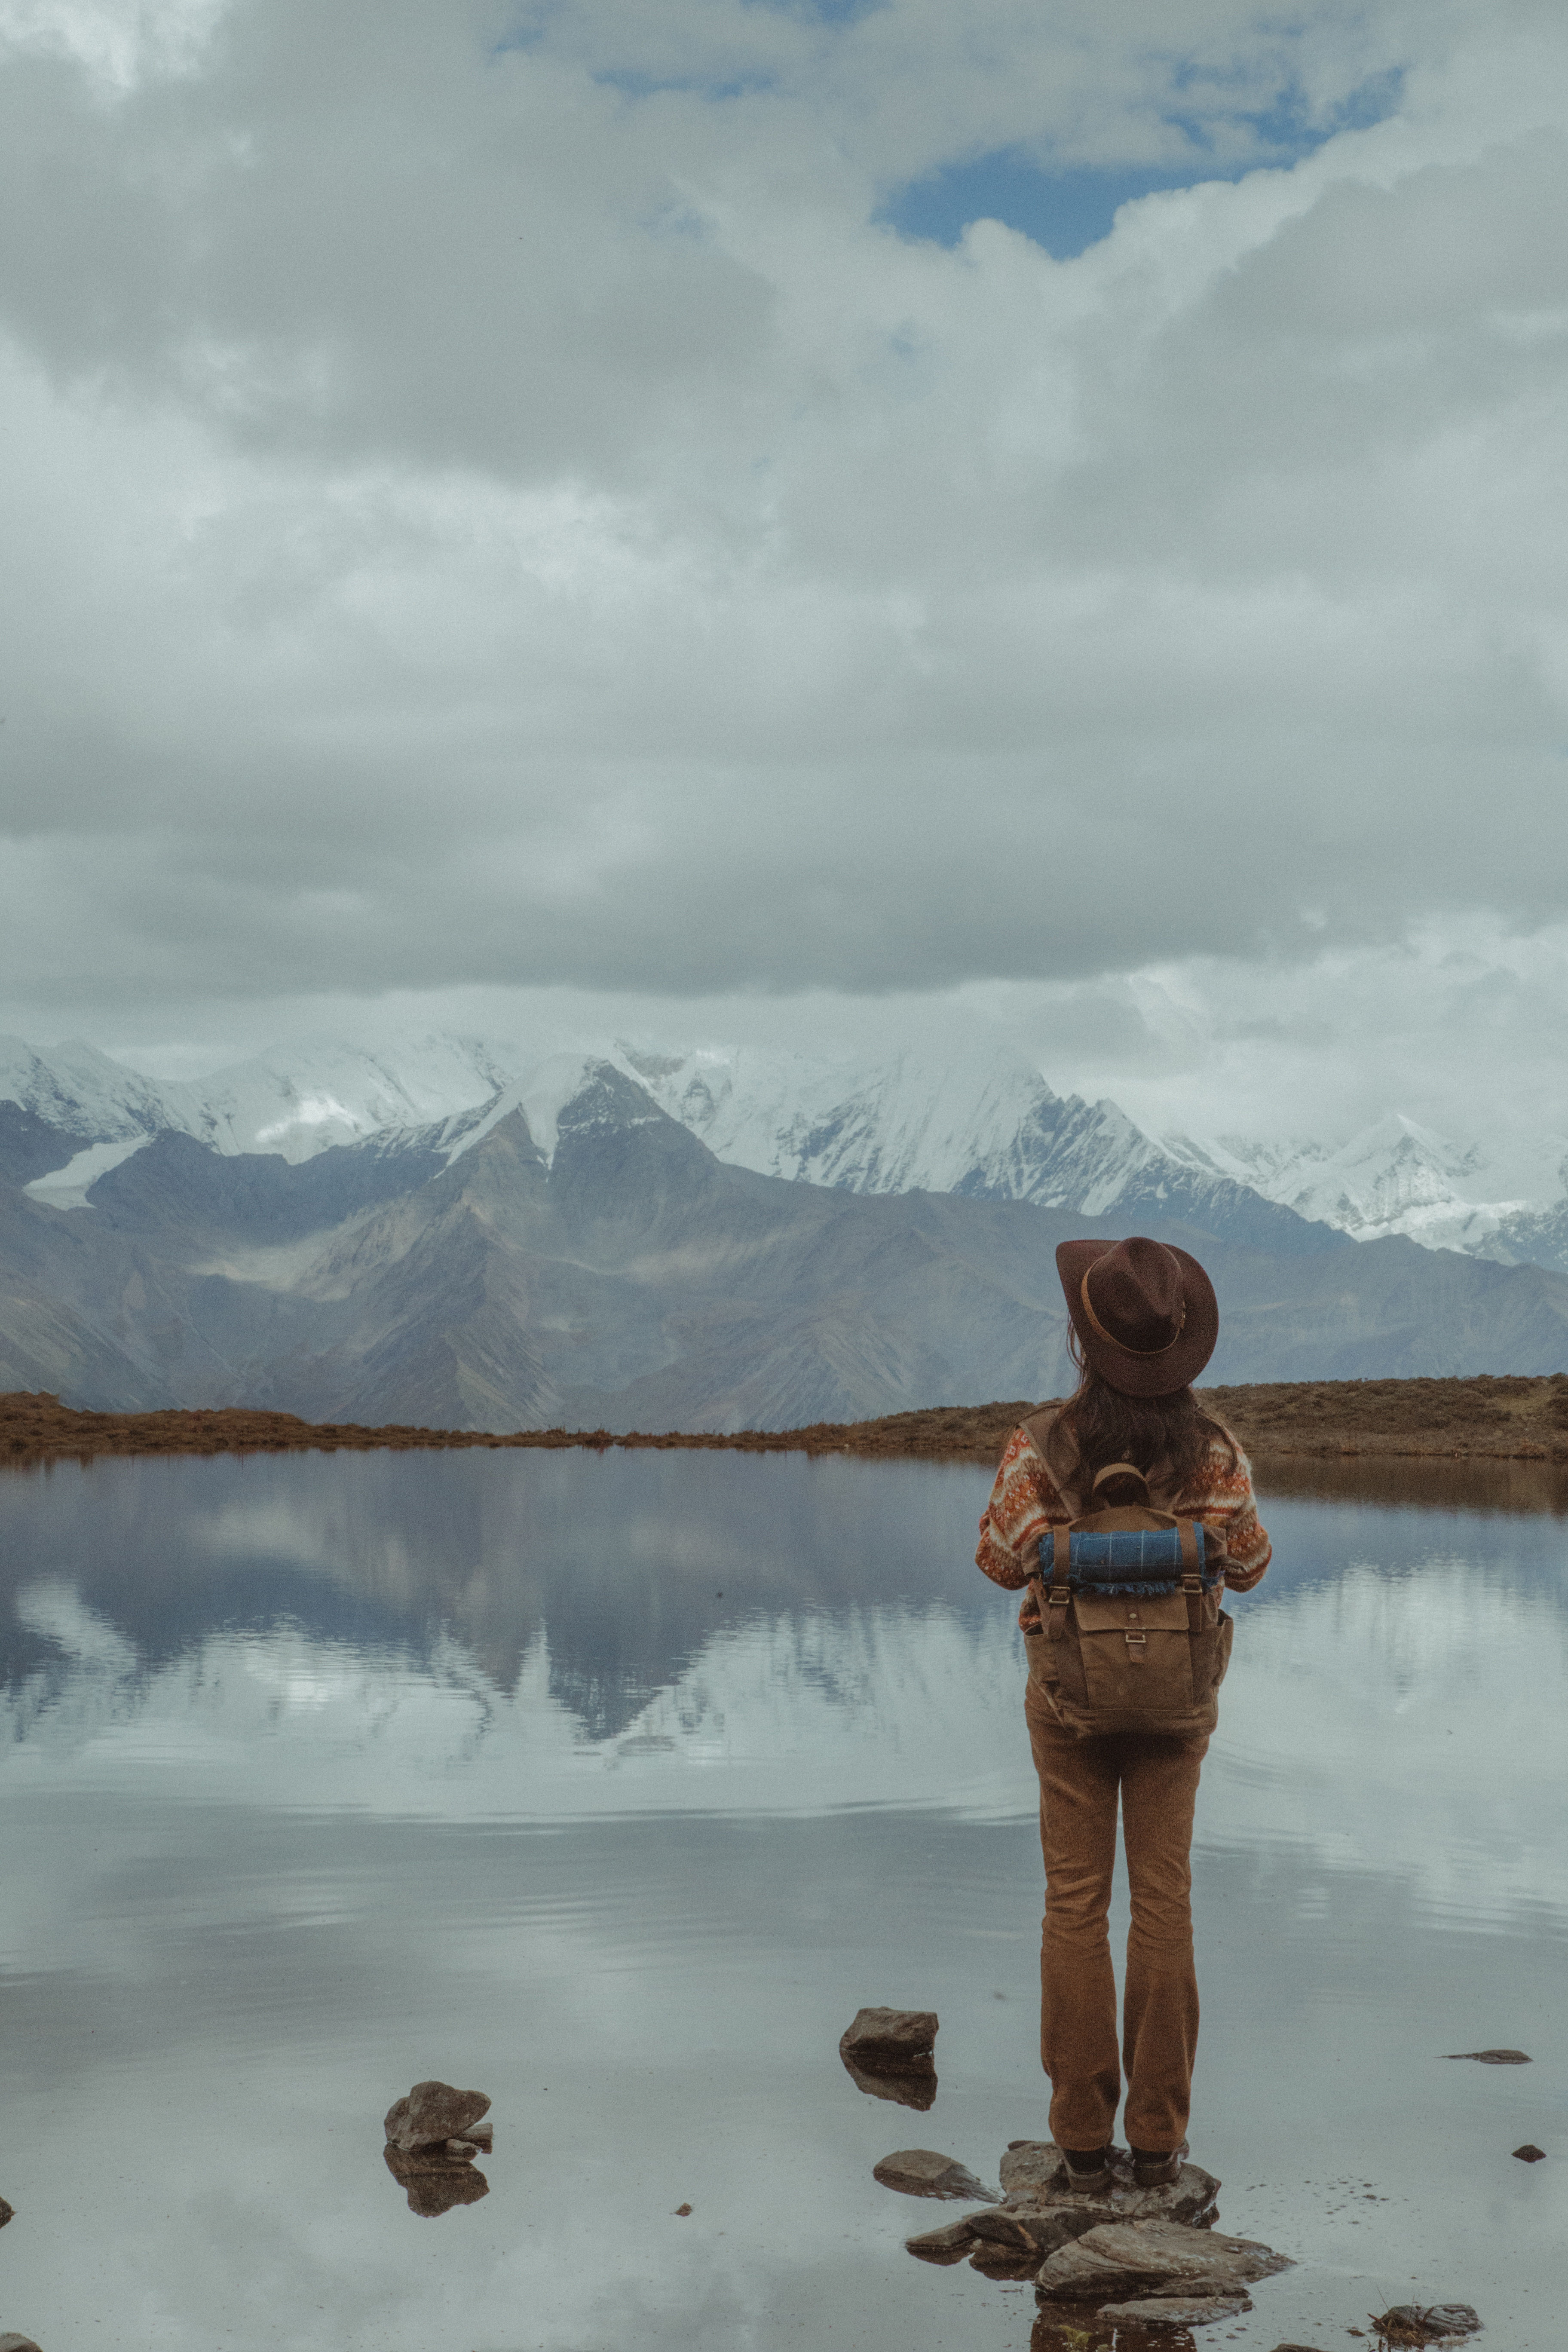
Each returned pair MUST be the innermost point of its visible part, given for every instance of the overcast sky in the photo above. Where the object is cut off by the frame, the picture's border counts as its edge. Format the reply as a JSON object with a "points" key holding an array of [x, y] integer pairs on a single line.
{"points": [[573, 510]]}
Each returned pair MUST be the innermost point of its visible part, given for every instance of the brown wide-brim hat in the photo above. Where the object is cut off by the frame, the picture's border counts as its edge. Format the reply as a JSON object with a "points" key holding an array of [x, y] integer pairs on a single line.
{"points": [[1145, 1312]]}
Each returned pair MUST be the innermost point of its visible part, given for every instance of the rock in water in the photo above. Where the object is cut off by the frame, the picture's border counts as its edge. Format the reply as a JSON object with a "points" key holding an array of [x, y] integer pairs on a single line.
{"points": [[432, 2113], [1172, 2311], [1494, 2057], [1420, 2323], [948, 2245], [1025, 2227], [1120, 2259], [881, 2039], [17, 2344], [1034, 2171], [921, 2173], [7, 2212], [1529, 2153], [997, 2263]]}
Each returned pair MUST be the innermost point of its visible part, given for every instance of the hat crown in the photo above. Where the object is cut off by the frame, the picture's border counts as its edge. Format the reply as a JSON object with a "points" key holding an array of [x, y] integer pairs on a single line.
{"points": [[1134, 1293]]}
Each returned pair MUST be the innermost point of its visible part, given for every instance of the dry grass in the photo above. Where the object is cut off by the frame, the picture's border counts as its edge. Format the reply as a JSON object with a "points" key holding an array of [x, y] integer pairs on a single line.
{"points": [[1485, 1418]]}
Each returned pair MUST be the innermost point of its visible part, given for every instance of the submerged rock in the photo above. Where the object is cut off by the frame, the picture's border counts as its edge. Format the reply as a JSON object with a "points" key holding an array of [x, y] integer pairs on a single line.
{"points": [[1177, 2311], [1120, 2259], [1420, 2323], [1531, 2154], [881, 2039], [432, 2113], [923, 2172], [1494, 2057]]}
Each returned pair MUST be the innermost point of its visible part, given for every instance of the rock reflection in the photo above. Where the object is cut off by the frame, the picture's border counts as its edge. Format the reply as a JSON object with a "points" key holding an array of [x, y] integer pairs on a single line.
{"points": [[435, 2181], [911, 2086], [1055, 2333]]}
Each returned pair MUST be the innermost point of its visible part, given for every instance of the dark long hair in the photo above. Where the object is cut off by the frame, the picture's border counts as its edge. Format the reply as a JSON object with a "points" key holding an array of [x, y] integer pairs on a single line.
{"points": [[1108, 1426]]}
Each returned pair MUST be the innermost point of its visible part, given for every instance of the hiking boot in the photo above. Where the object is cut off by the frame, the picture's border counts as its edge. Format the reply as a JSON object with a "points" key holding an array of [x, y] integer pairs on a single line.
{"points": [[1152, 2171], [1088, 2168]]}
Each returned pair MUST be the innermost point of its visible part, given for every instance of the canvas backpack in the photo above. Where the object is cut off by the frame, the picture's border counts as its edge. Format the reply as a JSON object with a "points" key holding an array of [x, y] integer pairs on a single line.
{"points": [[1133, 1634]]}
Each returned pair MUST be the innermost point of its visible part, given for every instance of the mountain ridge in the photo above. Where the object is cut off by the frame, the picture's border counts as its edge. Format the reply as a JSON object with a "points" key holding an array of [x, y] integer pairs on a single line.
{"points": [[631, 1275]]}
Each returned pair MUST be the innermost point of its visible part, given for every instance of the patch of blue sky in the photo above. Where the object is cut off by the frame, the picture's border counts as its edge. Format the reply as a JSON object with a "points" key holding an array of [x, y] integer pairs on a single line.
{"points": [[645, 85], [822, 12], [1068, 210]]}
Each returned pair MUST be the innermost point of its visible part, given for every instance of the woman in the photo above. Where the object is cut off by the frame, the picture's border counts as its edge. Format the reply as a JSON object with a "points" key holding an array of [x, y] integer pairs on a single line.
{"points": [[1145, 1321]]}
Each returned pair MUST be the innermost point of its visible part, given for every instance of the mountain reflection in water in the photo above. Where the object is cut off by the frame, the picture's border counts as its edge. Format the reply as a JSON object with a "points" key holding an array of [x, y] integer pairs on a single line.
{"points": [[619, 1783]]}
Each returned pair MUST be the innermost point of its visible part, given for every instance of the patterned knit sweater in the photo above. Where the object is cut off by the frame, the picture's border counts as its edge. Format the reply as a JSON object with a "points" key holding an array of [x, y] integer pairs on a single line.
{"points": [[1026, 1500]]}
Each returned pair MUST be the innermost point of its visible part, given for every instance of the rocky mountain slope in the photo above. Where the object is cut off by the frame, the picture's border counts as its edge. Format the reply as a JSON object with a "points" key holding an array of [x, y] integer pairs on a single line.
{"points": [[982, 1123], [625, 1276]]}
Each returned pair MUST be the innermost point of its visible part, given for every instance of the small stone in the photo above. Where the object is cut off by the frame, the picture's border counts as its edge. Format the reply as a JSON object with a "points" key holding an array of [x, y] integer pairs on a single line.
{"points": [[883, 2038], [432, 2113], [1120, 2259], [681, 2212], [1529, 2153], [1175, 2311], [948, 2245], [463, 2150], [921, 2173], [482, 2135], [1494, 2057], [7, 2212], [17, 2344], [1419, 2324]]}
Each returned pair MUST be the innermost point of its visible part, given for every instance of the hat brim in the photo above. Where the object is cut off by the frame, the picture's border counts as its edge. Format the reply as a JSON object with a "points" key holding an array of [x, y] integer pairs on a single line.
{"points": [[1174, 1367]]}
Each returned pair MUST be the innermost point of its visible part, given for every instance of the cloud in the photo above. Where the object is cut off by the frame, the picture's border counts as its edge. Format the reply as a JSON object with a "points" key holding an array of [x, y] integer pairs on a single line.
{"points": [[493, 505]]}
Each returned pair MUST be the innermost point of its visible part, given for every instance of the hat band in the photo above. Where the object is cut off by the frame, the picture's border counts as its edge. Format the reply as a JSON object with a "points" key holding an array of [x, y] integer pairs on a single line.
{"points": [[1111, 1341]]}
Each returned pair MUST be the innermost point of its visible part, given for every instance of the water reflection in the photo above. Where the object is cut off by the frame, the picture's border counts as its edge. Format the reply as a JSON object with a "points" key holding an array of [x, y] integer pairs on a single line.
{"points": [[619, 1784]]}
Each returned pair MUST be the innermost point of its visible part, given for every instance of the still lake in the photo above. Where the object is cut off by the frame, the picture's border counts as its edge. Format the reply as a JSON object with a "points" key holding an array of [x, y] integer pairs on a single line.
{"points": [[613, 1785]]}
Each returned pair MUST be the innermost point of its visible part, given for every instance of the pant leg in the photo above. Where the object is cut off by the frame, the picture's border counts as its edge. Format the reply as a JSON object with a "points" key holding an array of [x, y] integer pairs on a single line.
{"points": [[1078, 1988], [1160, 2010]]}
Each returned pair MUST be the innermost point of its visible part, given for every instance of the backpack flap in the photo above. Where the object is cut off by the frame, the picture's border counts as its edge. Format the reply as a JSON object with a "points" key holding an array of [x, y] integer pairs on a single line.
{"points": [[1136, 1655]]}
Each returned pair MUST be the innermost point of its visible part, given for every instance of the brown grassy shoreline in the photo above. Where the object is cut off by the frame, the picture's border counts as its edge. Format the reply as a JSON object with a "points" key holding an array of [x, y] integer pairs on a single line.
{"points": [[1481, 1419]]}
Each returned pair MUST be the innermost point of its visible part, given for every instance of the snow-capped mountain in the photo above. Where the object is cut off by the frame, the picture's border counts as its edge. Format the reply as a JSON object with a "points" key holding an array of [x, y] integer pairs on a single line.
{"points": [[988, 1127], [984, 1124], [1398, 1176], [295, 1101]]}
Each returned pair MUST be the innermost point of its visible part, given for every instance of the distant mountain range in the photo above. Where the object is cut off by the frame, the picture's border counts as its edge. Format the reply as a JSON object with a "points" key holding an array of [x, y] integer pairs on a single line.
{"points": [[487, 1252], [984, 1124]]}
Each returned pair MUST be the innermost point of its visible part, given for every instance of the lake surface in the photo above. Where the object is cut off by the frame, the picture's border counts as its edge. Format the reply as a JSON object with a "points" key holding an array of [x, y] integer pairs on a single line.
{"points": [[614, 1785]]}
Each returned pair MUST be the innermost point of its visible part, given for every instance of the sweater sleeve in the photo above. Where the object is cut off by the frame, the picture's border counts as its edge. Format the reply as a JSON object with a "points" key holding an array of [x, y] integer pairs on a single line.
{"points": [[1024, 1501], [1220, 1493]]}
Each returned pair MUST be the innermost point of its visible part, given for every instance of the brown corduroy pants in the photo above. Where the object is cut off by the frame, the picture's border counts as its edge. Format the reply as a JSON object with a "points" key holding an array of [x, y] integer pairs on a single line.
{"points": [[1080, 1781]]}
